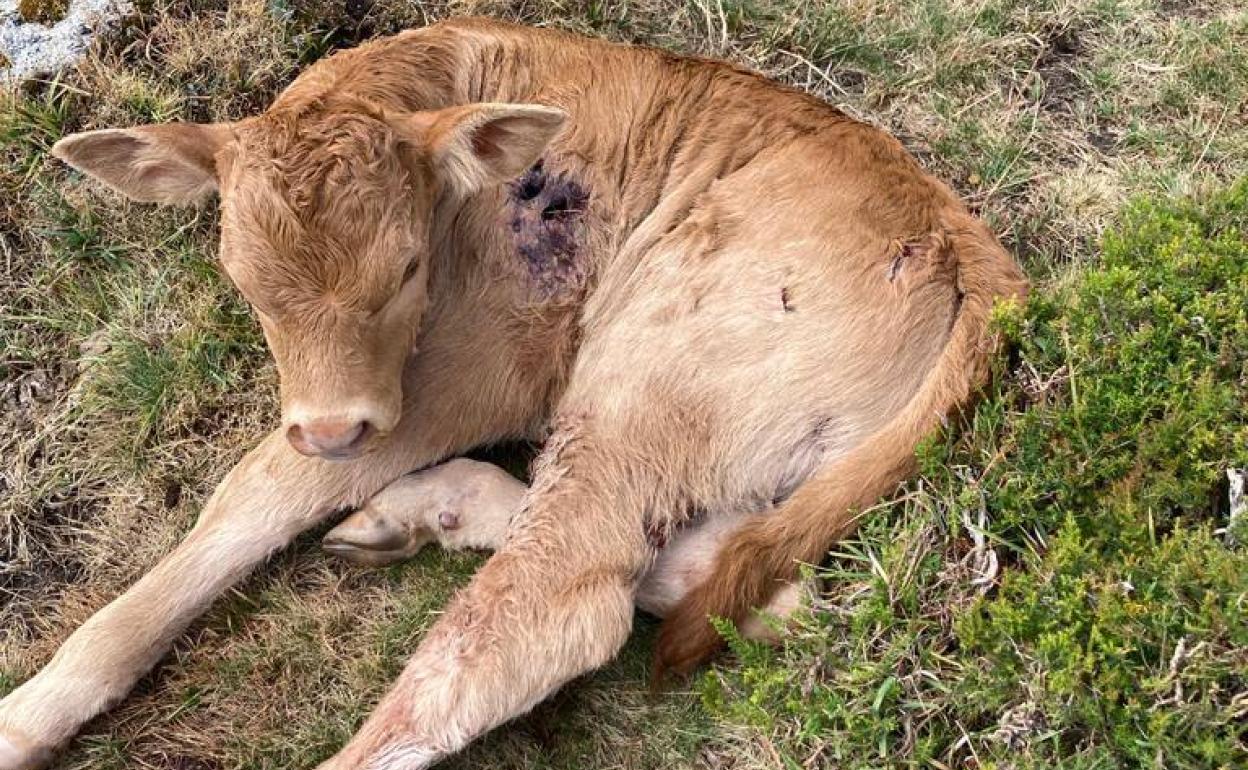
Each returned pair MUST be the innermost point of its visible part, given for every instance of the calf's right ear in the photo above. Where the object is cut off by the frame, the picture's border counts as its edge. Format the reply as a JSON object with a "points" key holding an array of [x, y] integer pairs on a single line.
{"points": [[479, 143], [171, 163]]}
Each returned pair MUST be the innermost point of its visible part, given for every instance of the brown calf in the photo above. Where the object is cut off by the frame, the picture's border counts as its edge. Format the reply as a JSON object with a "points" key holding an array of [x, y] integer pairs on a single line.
{"points": [[710, 295]]}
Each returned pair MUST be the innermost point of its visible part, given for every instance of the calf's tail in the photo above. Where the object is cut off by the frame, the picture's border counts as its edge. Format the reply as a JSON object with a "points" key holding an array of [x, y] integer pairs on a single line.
{"points": [[767, 552]]}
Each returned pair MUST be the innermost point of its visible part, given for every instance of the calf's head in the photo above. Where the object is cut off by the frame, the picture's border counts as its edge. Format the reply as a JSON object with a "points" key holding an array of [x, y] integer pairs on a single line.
{"points": [[328, 216]]}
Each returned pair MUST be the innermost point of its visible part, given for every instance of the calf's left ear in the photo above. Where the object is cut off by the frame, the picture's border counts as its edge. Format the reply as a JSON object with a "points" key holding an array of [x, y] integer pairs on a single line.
{"points": [[477, 144], [171, 163]]}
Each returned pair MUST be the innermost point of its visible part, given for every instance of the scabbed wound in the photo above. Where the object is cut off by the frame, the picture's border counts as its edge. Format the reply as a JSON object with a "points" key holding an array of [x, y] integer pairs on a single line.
{"points": [[546, 217]]}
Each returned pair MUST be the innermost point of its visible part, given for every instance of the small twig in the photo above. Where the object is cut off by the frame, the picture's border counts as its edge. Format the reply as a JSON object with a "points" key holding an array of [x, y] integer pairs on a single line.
{"points": [[1074, 384], [1209, 142], [1237, 501], [825, 77]]}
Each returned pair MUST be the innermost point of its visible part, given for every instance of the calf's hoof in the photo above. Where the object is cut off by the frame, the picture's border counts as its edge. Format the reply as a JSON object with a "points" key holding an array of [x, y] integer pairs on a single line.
{"points": [[19, 753], [371, 539]]}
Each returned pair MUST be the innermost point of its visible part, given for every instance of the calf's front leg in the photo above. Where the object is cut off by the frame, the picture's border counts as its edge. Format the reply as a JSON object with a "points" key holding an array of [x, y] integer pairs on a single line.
{"points": [[554, 602], [268, 499], [470, 504]]}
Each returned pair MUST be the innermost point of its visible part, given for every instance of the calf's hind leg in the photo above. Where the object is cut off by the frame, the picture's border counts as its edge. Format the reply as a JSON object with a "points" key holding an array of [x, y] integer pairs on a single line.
{"points": [[459, 504]]}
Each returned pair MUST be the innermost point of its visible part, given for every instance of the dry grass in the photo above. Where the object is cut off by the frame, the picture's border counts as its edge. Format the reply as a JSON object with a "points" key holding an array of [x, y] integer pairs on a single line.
{"points": [[131, 377]]}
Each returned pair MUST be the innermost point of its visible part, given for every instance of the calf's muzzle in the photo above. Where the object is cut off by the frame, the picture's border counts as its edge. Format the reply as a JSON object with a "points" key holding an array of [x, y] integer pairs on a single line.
{"points": [[330, 439]]}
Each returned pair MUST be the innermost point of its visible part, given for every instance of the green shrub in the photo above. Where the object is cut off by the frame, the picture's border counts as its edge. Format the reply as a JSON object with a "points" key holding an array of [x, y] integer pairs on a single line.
{"points": [[1100, 621]]}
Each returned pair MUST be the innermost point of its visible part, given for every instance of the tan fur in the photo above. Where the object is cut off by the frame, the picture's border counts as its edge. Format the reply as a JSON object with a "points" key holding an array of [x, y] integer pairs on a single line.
{"points": [[767, 553], [467, 504], [721, 298]]}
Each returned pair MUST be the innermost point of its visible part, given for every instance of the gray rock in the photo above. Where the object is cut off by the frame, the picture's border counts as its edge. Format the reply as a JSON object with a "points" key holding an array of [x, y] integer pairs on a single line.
{"points": [[39, 50]]}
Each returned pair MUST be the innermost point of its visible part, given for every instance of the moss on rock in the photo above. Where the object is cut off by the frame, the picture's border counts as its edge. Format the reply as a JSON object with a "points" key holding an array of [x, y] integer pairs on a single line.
{"points": [[42, 11]]}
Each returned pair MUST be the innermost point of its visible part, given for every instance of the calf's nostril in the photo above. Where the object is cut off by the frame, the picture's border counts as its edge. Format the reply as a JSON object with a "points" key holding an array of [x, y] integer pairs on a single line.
{"points": [[363, 431], [294, 434]]}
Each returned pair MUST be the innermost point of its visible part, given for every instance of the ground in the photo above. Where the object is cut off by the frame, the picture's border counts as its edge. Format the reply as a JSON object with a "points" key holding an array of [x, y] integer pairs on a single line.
{"points": [[1060, 587]]}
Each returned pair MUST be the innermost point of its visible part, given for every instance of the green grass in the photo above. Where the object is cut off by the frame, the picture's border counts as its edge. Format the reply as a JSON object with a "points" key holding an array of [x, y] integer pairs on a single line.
{"points": [[132, 377], [1059, 588]]}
